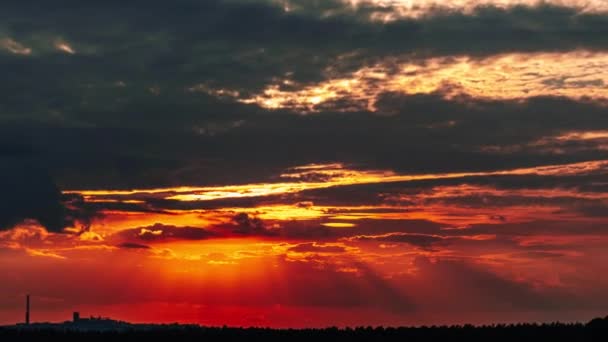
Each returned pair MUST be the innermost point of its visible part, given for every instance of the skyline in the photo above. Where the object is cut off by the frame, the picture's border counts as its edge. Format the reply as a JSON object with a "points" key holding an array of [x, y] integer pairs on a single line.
{"points": [[298, 163], [98, 323]]}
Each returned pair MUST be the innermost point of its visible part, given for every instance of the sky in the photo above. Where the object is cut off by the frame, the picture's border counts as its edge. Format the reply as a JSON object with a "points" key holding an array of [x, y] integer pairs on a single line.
{"points": [[304, 163]]}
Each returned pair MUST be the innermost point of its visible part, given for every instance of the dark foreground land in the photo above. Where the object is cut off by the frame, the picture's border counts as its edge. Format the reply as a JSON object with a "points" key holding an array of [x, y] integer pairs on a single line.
{"points": [[595, 330]]}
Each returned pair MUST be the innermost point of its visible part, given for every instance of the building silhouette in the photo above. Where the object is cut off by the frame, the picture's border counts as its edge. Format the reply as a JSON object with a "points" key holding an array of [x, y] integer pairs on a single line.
{"points": [[27, 309], [77, 323]]}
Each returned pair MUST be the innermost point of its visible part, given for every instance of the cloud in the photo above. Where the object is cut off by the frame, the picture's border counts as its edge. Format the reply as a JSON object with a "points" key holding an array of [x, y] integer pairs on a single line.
{"points": [[43, 253], [163, 233], [96, 162], [64, 47], [241, 225], [14, 47], [387, 10], [29, 193], [179, 46], [131, 245], [581, 77], [248, 225], [312, 247], [420, 240]]}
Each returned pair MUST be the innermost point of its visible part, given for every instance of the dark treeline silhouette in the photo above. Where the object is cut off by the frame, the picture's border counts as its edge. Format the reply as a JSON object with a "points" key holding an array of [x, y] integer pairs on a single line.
{"points": [[595, 330]]}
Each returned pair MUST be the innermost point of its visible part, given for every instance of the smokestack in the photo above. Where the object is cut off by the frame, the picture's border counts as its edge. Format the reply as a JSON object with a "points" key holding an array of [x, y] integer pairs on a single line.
{"points": [[27, 309]]}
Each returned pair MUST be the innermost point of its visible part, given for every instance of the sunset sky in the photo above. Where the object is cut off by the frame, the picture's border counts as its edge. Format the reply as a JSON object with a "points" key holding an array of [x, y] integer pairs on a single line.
{"points": [[304, 163]]}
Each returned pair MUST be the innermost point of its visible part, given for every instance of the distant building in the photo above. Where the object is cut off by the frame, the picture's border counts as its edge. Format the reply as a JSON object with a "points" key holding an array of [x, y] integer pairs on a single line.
{"points": [[27, 309], [77, 323], [90, 324]]}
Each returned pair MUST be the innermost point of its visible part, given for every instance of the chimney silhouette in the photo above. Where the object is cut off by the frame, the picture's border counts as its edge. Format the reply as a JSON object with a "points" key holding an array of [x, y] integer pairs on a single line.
{"points": [[27, 309]]}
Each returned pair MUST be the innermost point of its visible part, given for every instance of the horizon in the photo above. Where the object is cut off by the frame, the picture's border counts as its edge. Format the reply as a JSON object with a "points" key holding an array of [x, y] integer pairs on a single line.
{"points": [[77, 317], [290, 163]]}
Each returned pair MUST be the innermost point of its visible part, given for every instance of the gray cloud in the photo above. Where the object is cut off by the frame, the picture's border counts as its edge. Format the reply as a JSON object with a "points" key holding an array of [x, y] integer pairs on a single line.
{"points": [[131, 245], [129, 77], [142, 67], [29, 192], [268, 143]]}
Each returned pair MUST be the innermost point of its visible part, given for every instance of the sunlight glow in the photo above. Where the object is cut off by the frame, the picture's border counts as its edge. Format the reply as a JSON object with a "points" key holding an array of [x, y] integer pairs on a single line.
{"points": [[419, 8], [576, 75]]}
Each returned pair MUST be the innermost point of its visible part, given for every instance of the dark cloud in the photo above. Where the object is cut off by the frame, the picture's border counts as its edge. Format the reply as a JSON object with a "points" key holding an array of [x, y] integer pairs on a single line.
{"points": [[131, 72], [420, 240], [10, 149], [248, 225], [539, 255], [537, 227], [269, 143], [242, 225], [30, 193], [252, 36], [175, 46], [131, 245], [597, 209], [307, 230], [316, 248], [163, 233], [368, 227]]}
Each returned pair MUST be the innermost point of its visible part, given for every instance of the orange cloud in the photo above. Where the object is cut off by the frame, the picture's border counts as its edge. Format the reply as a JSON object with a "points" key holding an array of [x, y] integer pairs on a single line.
{"points": [[577, 74], [435, 204], [14, 47], [418, 8], [329, 176], [65, 47]]}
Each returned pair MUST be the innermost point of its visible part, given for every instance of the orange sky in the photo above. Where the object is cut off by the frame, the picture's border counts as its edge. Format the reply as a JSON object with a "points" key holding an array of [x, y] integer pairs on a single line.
{"points": [[288, 261]]}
